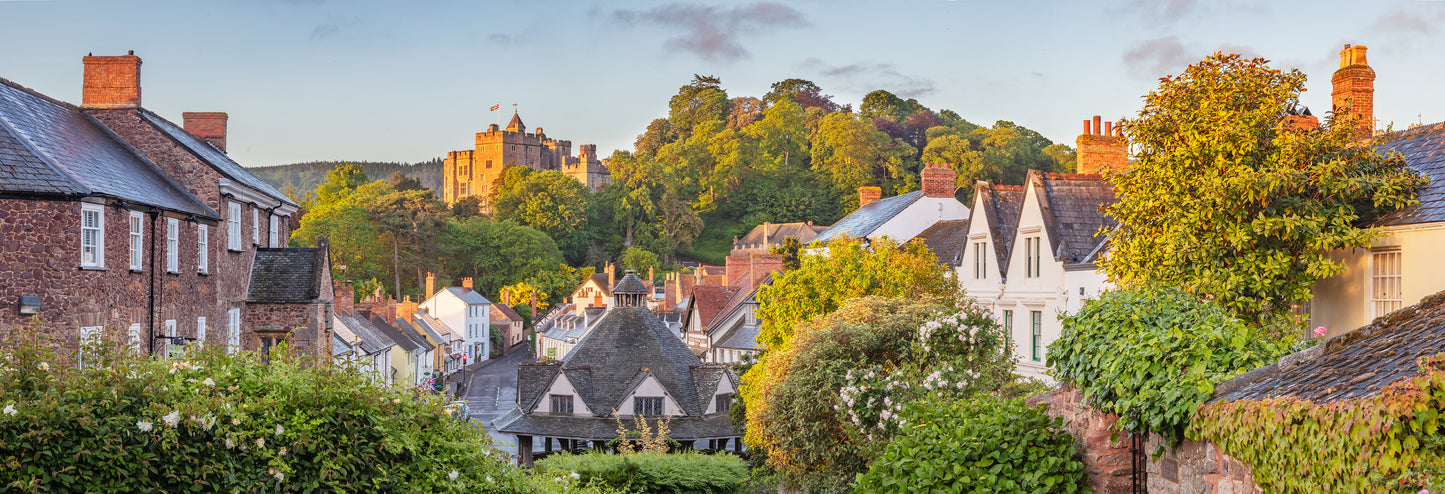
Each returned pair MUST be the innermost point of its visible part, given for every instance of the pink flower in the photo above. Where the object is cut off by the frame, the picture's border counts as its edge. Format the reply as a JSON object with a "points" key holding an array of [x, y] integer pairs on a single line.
{"points": [[1320, 331], [1424, 491]]}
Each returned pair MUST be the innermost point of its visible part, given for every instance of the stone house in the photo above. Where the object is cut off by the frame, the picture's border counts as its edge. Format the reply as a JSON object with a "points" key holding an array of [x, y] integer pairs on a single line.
{"points": [[473, 172], [119, 224], [764, 237], [510, 324], [629, 365], [720, 324]]}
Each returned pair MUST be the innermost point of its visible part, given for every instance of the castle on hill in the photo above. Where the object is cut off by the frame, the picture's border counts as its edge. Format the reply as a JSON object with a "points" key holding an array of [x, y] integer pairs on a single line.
{"points": [[474, 172]]}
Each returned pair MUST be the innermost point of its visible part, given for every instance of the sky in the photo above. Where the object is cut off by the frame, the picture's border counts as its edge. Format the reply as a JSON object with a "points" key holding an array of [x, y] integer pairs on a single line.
{"points": [[308, 80]]}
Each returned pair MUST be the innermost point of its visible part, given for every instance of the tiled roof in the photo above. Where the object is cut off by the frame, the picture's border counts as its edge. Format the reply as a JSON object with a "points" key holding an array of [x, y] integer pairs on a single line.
{"points": [[533, 379], [339, 345], [1072, 205], [48, 147], [441, 329], [776, 232], [1002, 206], [1423, 148], [214, 157], [292, 275], [503, 313], [861, 222], [630, 284], [707, 377], [467, 295], [599, 428], [387, 328], [946, 239], [625, 340], [709, 300], [426, 336], [1352, 365]]}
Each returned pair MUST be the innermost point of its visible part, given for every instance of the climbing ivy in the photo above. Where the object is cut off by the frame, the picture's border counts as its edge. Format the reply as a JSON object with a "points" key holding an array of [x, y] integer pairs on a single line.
{"points": [[1388, 442]]}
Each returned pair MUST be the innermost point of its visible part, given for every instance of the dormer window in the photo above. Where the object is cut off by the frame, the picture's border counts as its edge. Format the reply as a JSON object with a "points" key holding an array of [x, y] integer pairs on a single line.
{"points": [[561, 404], [980, 261], [724, 402], [647, 406]]}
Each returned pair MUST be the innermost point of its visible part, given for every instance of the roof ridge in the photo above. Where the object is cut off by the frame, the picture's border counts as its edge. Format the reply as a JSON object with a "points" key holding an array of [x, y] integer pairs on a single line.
{"points": [[39, 94], [1072, 176]]}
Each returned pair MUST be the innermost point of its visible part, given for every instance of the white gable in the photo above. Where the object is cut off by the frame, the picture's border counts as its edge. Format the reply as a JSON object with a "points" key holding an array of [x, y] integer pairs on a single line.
{"points": [[650, 388], [919, 216], [561, 386], [724, 386]]}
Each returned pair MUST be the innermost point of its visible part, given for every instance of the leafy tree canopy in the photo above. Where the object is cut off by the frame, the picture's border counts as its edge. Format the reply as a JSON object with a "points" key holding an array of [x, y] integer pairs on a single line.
{"points": [[1229, 204]]}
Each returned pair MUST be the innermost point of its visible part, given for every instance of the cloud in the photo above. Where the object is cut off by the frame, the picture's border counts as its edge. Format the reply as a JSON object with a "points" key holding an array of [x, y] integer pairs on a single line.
{"points": [[1167, 55], [1400, 21], [332, 26], [502, 39], [712, 32], [1160, 11], [865, 77]]}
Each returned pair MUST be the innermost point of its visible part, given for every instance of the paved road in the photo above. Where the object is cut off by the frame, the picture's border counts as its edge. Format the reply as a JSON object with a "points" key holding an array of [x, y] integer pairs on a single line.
{"points": [[492, 392]]}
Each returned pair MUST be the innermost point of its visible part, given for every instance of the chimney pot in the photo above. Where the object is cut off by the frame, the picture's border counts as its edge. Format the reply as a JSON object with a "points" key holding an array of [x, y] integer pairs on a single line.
{"points": [[938, 180], [1097, 119], [1354, 89], [1108, 128]]}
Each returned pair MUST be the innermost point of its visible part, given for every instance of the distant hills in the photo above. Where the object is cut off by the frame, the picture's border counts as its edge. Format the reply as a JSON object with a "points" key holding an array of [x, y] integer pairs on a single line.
{"points": [[306, 176]]}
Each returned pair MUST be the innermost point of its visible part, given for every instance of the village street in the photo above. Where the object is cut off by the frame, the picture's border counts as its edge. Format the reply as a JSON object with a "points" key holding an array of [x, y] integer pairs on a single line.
{"points": [[492, 392]]}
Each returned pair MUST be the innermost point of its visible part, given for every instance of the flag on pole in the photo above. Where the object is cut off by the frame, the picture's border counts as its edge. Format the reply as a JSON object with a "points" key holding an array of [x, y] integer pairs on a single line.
{"points": [[496, 106]]}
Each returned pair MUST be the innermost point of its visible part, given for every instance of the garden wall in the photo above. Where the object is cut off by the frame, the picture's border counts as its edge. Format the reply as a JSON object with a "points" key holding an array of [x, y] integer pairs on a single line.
{"points": [[1193, 467]]}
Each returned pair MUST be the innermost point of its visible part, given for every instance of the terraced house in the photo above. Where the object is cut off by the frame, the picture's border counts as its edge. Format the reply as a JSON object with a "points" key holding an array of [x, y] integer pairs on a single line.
{"points": [[119, 225]]}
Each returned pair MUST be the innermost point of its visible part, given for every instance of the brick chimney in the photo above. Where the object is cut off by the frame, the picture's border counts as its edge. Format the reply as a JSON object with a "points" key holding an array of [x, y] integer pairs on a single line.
{"points": [[467, 283], [345, 296], [1354, 88], [431, 286], [404, 310], [209, 126], [867, 195], [111, 82], [506, 296], [763, 264], [938, 180], [1102, 147], [736, 267]]}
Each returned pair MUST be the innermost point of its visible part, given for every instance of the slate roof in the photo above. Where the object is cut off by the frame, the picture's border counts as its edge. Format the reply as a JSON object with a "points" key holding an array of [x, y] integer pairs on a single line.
{"points": [[1352, 365], [214, 157], [1002, 206], [947, 239], [599, 428], [290, 275], [52, 148], [406, 342], [1423, 148], [630, 284], [776, 232], [743, 336], [446, 333], [863, 221], [707, 377], [467, 295], [368, 338], [1072, 212], [427, 337], [533, 378], [339, 345]]}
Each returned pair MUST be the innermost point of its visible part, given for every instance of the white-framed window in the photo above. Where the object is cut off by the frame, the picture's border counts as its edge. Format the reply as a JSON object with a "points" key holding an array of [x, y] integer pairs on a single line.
{"points": [[168, 349], [1385, 280], [200, 332], [92, 235], [203, 249], [980, 261], [173, 247], [233, 330], [275, 231], [233, 226], [137, 241], [1031, 257], [88, 343], [255, 226], [133, 338]]}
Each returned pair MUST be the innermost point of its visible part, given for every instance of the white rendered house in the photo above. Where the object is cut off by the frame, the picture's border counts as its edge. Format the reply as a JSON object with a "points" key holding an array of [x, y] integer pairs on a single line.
{"points": [[463, 309]]}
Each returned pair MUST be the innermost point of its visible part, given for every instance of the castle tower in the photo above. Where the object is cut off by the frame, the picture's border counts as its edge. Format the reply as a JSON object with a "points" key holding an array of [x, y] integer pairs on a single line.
{"points": [[1102, 147], [1354, 88], [476, 172]]}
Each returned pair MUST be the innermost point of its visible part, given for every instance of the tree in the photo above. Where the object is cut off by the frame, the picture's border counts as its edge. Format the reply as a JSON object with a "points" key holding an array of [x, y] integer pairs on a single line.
{"points": [[466, 207], [678, 223], [639, 260], [790, 249], [659, 133], [801, 91], [700, 101], [402, 183], [411, 218], [1228, 203], [549, 201], [340, 213], [744, 111], [883, 104], [852, 153], [497, 253]]}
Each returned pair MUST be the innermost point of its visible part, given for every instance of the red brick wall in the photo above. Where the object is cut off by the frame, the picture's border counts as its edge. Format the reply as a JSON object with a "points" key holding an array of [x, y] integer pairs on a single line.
{"points": [[111, 82], [1354, 86], [210, 126], [1101, 147], [867, 195], [1108, 462], [938, 180]]}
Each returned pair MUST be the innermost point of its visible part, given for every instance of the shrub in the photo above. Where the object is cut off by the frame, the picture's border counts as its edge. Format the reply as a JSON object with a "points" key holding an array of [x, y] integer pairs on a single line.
{"points": [[216, 422], [649, 473], [1152, 355], [977, 445]]}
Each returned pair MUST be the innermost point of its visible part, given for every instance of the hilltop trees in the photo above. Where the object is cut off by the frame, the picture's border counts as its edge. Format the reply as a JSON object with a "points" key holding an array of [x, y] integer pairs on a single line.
{"points": [[1229, 203]]}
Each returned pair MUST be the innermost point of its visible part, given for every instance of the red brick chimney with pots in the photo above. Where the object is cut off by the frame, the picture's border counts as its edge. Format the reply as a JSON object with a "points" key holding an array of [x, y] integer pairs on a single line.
{"points": [[209, 126], [431, 286], [111, 82], [345, 296], [866, 195], [467, 283], [938, 180], [1101, 146], [1354, 88], [404, 310]]}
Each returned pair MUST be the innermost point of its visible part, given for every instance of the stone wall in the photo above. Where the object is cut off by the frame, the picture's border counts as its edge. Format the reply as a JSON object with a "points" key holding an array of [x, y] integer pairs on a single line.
{"points": [[1193, 467]]}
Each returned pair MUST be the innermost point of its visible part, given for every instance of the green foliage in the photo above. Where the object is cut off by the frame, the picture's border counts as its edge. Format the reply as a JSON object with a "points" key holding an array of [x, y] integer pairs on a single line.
{"points": [[651, 473], [639, 260], [791, 250], [547, 200], [977, 445], [498, 253], [228, 423], [853, 153], [1152, 355], [1388, 442], [1226, 202], [700, 101]]}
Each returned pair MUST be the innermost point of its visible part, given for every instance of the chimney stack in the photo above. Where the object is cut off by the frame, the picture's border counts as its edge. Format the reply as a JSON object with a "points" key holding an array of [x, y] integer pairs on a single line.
{"points": [[866, 195], [467, 283], [404, 310], [938, 180], [611, 276], [431, 286], [345, 295], [111, 82], [1102, 146], [1354, 89], [209, 126]]}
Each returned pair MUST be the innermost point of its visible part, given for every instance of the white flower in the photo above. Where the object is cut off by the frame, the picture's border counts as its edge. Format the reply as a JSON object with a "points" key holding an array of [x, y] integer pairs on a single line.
{"points": [[452, 476], [489, 479], [10, 409], [279, 430], [229, 443], [143, 426], [260, 442], [281, 451], [280, 476], [575, 476], [208, 422], [208, 382], [172, 418], [396, 401], [44, 367]]}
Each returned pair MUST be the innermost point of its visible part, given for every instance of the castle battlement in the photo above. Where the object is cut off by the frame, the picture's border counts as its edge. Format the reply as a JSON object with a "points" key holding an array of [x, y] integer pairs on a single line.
{"points": [[476, 171]]}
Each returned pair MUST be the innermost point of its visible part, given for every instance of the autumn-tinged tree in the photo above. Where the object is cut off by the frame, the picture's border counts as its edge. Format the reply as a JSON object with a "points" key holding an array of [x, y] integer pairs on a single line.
{"points": [[852, 153], [1227, 202], [801, 91], [743, 111]]}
